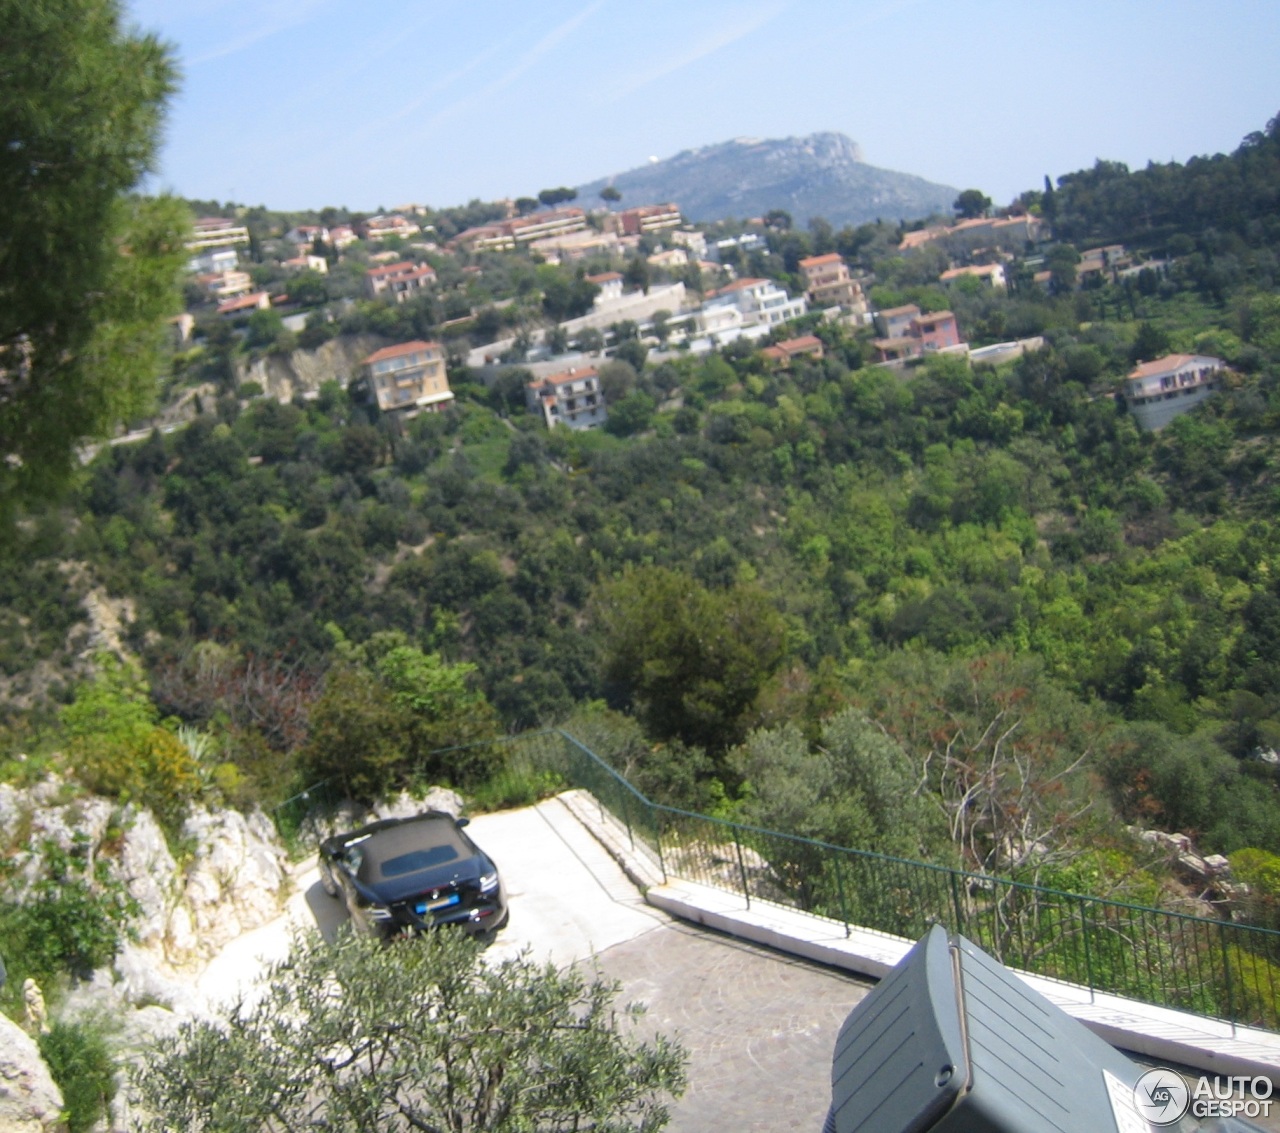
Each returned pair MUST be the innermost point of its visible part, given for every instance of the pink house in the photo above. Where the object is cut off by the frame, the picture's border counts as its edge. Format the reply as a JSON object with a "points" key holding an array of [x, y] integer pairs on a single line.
{"points": [[909, 333], [935, 332]]}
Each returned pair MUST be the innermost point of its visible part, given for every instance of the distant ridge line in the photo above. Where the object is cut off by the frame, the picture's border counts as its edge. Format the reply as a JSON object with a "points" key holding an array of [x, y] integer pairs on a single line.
{"points": [[822, 174]]}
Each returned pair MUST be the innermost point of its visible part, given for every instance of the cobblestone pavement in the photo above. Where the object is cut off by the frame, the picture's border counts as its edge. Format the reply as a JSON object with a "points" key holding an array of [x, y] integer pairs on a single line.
{"points": [[759, 1026]]}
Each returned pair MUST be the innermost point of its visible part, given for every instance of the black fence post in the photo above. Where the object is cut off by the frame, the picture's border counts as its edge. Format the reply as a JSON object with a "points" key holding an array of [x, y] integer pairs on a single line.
{"points": [[742, 869], [1088, 954], [1226, 974], [956, 901], [844, 907], [657, 841], [626, 817]]}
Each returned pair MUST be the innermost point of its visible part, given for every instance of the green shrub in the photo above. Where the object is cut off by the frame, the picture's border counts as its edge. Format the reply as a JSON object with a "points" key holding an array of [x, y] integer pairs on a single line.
{"points": [[68, 924], [79, 1058], [119, 748], [515, 787], [1259, 870]]}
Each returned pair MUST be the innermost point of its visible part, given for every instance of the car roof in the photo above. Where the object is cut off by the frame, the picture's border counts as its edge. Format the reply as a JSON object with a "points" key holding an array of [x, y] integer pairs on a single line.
{"points": [[390, 836]]}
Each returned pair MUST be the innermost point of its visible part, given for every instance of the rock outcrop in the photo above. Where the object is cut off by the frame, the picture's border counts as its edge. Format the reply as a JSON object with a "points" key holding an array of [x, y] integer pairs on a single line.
{"points": [[235, 883], [285, 377], [236, 879], [30, 1102]]}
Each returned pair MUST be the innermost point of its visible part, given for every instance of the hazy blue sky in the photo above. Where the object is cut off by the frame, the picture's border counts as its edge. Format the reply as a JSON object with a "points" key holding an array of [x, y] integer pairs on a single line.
{"points": [[303, 103]]}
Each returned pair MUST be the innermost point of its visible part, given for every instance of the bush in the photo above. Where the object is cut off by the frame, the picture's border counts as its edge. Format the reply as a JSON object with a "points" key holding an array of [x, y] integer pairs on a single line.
{"points": [[118, 747], [515, 787], [79, 1058], [475, 1047], [391, 716], [69, 923]]}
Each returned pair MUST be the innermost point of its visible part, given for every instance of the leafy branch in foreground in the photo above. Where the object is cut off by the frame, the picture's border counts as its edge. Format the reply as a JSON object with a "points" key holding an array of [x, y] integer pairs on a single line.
{"points": [[422, 1034]]}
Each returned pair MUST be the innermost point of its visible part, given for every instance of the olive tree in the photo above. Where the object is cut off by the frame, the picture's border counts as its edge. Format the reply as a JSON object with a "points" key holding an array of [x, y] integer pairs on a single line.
{"points": [[421, 1034]]}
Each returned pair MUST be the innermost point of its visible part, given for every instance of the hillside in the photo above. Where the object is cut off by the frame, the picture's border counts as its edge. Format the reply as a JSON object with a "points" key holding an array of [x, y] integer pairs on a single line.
{"points": [[819, 175], [747, 556]]}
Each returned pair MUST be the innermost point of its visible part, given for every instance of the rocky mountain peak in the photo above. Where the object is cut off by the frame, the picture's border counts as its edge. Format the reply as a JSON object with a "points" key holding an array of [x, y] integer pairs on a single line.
{"points": [[821, 174]]}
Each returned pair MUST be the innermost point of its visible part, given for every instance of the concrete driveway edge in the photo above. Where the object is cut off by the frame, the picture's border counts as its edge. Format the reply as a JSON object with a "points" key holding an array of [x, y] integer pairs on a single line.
{"points": [[1208, 1045], [642, 870]]}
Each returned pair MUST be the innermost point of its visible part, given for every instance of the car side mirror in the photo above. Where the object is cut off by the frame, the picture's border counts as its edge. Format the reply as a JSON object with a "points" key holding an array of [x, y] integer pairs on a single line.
{"points": [[463, 821]]}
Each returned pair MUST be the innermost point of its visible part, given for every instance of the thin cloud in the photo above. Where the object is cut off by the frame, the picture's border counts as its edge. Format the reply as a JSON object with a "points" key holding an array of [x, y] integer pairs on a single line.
{"points": [[357, 63], [446, 81], [379, 125], [279, 17], [709, 45], [546, 44]]}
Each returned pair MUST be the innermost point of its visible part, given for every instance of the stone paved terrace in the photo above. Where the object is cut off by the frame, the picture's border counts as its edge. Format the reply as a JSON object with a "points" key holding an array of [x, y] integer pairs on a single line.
{"points": [[758, 1019], [1158, 1033]]}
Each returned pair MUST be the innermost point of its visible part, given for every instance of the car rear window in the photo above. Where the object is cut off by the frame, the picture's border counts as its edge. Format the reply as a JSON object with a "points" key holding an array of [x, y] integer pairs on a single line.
{"points": [[407, 847], [416, 860]]}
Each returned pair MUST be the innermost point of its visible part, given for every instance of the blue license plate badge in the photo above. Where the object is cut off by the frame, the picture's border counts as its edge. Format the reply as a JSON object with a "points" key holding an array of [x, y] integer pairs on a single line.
{"points": [[425, 907]]}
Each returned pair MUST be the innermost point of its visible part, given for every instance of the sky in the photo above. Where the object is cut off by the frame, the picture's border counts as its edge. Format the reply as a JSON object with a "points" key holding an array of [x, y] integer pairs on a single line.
{"points": [[298, 104]]}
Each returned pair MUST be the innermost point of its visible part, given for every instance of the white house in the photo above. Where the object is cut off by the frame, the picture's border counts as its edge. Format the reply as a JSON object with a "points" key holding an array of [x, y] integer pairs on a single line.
{"points": [[1161, 390], [610, 284], [307, 262], [761, 302], [669, 258], [692, 239], [572, 398], [342, 236], [990, 274], [307, 234], [213, 261]]}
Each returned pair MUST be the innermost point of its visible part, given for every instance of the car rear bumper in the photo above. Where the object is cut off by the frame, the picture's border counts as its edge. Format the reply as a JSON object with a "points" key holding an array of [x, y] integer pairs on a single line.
{"points": [[481, 918]]}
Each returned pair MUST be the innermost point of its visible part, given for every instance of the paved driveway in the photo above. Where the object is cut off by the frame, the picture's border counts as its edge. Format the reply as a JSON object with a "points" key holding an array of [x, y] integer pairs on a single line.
{"points": [[759, 1026]]}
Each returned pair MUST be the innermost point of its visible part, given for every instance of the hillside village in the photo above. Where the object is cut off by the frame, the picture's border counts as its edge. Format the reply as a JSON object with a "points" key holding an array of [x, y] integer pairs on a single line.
{"points": [[638, 283], [896, 573]]}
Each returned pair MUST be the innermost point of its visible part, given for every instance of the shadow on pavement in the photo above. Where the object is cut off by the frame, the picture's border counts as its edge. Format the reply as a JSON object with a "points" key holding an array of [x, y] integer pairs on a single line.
{"points": [[329, 912]]}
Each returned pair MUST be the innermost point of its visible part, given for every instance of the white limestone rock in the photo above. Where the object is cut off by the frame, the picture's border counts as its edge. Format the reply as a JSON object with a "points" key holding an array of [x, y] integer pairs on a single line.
{"points": [[30, 1102], [405, 805], [238, 879], [143, 981], [146, 867]]}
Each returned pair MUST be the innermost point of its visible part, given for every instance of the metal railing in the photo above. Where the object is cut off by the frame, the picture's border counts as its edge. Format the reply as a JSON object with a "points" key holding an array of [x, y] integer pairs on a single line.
{"points": [[1211, 967]]}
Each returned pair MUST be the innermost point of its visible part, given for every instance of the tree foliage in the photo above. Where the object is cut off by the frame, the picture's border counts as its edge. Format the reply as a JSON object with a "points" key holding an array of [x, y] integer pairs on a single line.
{"points": [[419, 1035], [558, 196], [390, 715], [87, 272], [119, 747], [691, 660], [972, 203], [855, 787]]}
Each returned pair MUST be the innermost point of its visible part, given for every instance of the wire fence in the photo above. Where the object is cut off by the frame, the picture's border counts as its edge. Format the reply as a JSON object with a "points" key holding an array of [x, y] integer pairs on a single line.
{"points": [[1208, 966]]}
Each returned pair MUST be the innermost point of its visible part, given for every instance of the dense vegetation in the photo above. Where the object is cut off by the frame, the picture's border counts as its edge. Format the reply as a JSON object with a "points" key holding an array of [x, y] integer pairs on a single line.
{"points": [[475, 1047], [994, 565]]}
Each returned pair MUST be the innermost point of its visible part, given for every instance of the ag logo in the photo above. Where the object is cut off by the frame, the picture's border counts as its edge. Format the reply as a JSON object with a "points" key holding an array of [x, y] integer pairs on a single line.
{"points": [[1161, 1096]]}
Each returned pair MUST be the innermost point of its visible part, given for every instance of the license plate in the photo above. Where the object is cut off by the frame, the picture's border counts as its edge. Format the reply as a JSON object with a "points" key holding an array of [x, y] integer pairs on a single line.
{"points": [[442, 903]]}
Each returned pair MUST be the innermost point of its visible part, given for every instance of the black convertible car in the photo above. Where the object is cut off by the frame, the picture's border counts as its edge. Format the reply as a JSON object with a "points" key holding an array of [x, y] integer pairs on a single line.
{"points": [[406, 874]]}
